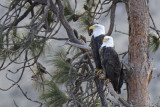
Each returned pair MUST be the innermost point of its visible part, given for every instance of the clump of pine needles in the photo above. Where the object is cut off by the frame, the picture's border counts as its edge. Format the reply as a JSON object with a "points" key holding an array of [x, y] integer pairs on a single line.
{"points": [[68, 10], [86, 20], [154, 41], [50, 17], [53, 95], [60, 74]]}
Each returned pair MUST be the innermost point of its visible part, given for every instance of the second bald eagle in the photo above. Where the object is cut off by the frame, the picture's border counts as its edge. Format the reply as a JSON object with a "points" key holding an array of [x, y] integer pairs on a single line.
{"points": [[111, 63]]}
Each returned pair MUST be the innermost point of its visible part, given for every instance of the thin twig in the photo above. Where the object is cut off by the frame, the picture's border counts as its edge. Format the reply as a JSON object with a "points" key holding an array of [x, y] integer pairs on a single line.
{"points": [[24, 94]]}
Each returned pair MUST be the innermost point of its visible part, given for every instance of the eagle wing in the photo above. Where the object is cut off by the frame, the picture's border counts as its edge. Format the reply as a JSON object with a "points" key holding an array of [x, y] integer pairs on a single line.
{"points": [[112, 67], [95, 45]]}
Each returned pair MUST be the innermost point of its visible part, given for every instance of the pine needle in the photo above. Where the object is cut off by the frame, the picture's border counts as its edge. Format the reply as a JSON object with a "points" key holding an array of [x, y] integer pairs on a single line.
{"points": [[53, 95], [50, 17], [60, 75], [154, 42], [67, 9], [85, 21]]}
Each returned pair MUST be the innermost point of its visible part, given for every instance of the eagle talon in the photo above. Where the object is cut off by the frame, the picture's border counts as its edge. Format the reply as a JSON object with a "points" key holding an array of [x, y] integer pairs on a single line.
{"points": [[107, 90], [98, 71], [107, 80]]}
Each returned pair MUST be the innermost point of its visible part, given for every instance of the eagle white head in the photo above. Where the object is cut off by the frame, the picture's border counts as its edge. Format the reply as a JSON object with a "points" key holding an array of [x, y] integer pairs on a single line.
{"points": [[108, 42], [97, 30]]}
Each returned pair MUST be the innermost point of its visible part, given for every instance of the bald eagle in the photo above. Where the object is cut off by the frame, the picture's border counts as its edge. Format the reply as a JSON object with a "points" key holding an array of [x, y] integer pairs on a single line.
{"points": [[96, 42], [111, 63]]}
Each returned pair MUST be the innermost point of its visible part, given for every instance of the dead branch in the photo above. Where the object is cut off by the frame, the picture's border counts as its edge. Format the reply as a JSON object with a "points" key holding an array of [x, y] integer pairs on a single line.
{"points": [[116, 96], [154, 24], [121, 32], [79, 46], [24, 93], [112, 18], [65, 23], [15, 103]]}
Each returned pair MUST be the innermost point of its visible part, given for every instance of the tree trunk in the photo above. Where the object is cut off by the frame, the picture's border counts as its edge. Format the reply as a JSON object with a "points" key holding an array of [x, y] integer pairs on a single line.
{"points": [[137, 82]]}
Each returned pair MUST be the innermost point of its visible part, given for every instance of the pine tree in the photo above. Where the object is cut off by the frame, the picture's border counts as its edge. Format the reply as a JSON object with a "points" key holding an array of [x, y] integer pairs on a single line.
{"points": [[72, 66]]}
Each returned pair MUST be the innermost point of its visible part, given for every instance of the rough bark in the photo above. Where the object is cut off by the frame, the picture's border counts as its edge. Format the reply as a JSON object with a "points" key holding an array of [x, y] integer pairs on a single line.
{"points": [[137, 82], [99, 84]]}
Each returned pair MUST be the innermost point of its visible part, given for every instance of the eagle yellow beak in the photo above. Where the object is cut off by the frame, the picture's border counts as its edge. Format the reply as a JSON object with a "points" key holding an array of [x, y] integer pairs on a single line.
{"points": [[91, 27], [105, 40]]}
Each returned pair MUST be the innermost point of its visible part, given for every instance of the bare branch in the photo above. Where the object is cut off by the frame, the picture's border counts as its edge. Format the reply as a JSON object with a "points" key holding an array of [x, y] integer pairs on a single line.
{"points": [[24, 93], [121, 32], [24, 15], [154, 24], [116, 96], [15, 103], [65, 23], [37, 36], [3, 6], [41, 1], [112, 18], [79, 46]]}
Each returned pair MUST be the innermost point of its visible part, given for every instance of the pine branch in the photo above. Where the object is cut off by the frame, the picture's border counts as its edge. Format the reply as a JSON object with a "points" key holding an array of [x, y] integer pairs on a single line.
{"points": [[53, 95], [67, 8], [59, 60], [116, 96], [86, 20], [154, 41]]}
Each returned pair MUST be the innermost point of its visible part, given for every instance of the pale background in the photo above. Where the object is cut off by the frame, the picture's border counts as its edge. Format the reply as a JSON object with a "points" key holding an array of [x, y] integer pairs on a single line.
{"points": [[121, 44]]}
